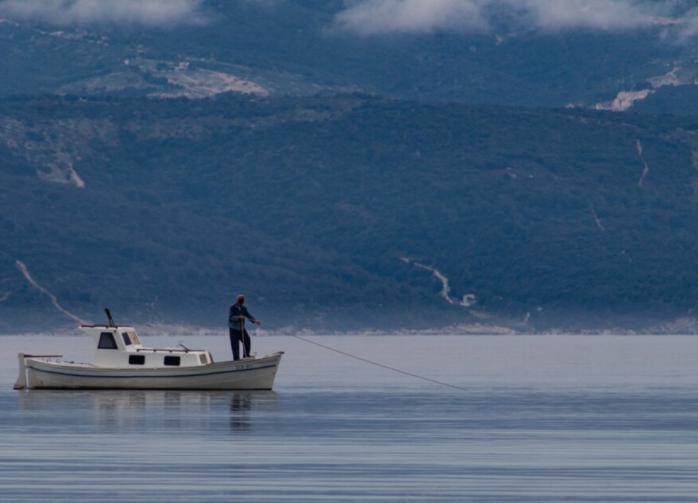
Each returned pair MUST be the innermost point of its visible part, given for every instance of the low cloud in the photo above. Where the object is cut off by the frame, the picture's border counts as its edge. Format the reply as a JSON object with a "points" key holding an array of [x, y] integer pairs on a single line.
{"points": [[375, 17], [372, 17], [72, 12], [590, 14], [688, 27]]}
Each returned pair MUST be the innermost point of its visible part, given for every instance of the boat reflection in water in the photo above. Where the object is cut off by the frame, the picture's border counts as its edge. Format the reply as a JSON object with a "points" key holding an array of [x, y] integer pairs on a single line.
{"points": [[240, 406], [131, 411]]}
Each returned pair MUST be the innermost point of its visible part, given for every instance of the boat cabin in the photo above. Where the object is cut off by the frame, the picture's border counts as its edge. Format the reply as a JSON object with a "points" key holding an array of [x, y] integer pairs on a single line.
{"points": [[120, 347]]}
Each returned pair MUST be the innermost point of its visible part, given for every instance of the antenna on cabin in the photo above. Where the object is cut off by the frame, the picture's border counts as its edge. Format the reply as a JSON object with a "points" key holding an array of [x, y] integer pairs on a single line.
{"points": [[111, 320]]}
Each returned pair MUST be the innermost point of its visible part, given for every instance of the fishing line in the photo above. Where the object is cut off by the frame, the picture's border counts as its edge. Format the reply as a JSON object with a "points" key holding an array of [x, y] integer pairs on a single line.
{"points": [[381, 365]]}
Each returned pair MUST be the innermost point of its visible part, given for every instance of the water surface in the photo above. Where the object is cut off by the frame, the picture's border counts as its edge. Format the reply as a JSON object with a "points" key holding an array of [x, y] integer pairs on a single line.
{"points": [[540, 419]]}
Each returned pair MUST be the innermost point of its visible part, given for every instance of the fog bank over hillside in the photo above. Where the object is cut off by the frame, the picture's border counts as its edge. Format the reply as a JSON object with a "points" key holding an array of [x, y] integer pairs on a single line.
{"points": [[374, 17]]}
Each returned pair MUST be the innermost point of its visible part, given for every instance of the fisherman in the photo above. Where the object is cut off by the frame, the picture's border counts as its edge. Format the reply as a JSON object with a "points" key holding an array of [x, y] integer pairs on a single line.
{"points": [[236, 327]]}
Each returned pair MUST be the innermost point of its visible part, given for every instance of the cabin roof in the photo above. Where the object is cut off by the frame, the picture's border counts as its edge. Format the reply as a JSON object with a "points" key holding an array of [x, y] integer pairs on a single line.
{"points": [[113, 327]]}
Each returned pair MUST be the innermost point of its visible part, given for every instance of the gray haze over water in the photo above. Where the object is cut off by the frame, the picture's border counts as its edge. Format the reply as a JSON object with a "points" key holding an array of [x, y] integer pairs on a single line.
{"points": [[541, 419]]}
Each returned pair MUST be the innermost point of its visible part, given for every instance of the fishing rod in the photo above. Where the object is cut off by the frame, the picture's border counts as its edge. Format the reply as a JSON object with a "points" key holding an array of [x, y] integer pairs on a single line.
{"points": [[381, 365]]}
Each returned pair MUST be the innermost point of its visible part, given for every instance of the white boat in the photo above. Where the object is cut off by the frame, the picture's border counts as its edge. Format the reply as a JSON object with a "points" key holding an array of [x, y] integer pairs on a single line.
{"points": [[122, 362]]}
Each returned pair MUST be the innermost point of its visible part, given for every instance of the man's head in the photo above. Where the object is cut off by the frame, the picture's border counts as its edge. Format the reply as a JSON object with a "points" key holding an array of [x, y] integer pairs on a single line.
{"points": [[241, 299]]}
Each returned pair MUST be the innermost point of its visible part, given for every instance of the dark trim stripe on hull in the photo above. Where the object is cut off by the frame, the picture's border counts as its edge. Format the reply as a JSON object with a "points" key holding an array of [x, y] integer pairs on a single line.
{"points": [[148, 376]]}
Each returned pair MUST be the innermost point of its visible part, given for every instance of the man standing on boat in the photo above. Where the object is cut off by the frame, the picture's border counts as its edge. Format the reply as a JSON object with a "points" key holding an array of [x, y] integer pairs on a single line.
{"points": [[236, 328]]}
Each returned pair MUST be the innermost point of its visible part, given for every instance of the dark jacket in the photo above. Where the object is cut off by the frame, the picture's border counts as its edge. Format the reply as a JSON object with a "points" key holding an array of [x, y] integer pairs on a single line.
{"points": [[237, 312]]}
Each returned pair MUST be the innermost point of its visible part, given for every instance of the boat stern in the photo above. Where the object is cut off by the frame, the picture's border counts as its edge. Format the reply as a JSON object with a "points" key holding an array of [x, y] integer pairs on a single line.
{"points": [[22, 377], [25, 378]]}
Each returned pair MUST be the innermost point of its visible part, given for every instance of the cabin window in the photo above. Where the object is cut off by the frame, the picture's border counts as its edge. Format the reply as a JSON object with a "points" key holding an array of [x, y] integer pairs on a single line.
{"points": [[202, 359], [106, 341], [172, 360], [127, 339], [136, 359]]}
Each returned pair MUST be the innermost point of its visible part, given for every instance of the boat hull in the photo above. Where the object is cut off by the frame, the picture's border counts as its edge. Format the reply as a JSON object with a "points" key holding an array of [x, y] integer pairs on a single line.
{"points": [[245, 374]]}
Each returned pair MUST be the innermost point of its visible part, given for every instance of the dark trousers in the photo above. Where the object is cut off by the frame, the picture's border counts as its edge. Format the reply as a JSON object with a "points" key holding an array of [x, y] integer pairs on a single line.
{"points": [[235, 338]]}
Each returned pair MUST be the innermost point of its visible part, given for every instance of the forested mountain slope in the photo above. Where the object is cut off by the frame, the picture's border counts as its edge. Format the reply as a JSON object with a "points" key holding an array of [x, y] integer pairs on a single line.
{"points": [[327, 212]]}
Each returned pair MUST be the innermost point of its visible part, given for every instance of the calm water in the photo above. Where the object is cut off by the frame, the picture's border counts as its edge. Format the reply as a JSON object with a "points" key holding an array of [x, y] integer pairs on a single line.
{"points": [[542, 419]]}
